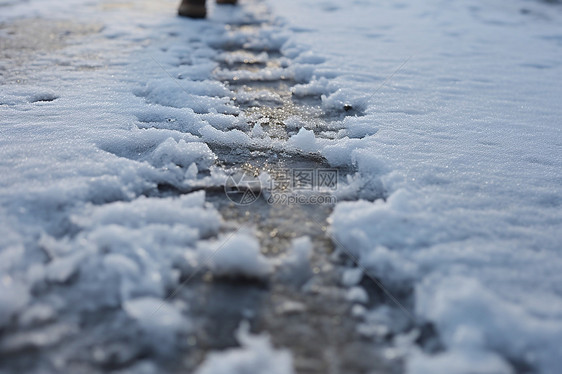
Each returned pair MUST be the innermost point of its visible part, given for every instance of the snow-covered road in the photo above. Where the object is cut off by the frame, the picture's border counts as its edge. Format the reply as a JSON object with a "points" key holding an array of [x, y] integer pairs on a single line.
{"points": [[129, 243]]}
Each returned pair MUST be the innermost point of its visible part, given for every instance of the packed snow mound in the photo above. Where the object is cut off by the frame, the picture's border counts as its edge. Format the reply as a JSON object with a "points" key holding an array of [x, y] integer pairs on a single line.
{"points": [[256, 356], [182, 154], [13, 298], [475, 321], [233, 138], [160, 321], [235, 255], [295, 266], [401, 242], [303, 141], [123, 258], [458, 362], [136, 248]]}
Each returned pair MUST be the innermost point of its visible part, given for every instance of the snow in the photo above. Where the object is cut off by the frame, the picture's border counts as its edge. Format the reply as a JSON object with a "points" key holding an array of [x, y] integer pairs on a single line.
{"points": [[459, 130], [233, 138], [182, 154], [256, 355], [451, 128], [474, 321], [352, 277], [303, 141], [357, 295], [456, 362], [160, 320], [235, 255], [295, 266], [13, 298]]}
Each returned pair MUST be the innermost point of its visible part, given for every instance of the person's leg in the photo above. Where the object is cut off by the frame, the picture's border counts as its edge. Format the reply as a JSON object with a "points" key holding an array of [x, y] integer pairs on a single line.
{"points": [[192, 9], [196, 8]]}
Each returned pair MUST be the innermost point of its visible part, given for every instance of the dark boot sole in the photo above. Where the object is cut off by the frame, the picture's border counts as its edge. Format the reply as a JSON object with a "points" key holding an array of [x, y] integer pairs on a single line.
{"points": [[192, 11]]}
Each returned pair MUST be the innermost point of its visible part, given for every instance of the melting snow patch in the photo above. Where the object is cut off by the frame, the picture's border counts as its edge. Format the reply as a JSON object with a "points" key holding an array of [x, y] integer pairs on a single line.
{"points": [[304, 141], [161, 322], [256, 356], [235, 255], [13, 298], [182, 154], [233, 138]]}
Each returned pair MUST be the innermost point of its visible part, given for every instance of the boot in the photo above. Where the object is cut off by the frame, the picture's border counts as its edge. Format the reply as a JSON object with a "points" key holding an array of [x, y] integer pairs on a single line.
{"points": [[192, 9]]}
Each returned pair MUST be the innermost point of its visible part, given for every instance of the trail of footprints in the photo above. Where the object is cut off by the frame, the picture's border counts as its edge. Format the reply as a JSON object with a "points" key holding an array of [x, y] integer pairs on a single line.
{"points": [[313, 321], [306, 312]]}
